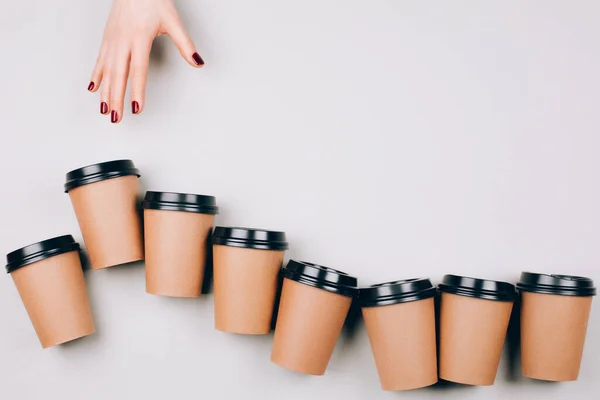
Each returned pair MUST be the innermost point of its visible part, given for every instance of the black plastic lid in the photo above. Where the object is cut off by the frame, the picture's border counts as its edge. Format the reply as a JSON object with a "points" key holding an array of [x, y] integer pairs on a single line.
{"points": [[565, 285], [100, 172], [250, 238], [321, 277], [478, 288], [180, 202], [40, 251], [403, 291]]}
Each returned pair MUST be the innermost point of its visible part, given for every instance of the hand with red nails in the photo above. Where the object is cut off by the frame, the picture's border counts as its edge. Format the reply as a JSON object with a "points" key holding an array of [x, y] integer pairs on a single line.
{"points": [[125, 51]]}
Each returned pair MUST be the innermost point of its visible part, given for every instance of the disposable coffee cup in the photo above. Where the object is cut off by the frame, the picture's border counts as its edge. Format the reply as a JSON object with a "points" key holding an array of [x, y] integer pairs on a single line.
{"points": [[554, 317], [105, 200], [49, 278], [400, 321], [314, 303], [247, 263], [474, 318], [177, 229]]}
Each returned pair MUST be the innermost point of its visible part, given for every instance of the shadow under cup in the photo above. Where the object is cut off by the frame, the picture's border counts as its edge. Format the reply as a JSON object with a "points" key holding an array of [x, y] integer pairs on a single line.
{"points": [[400, 321], [105, 200], [474, 318], [247, 263], [176, 229], [554, 316], [49, 278], [314, 303]]}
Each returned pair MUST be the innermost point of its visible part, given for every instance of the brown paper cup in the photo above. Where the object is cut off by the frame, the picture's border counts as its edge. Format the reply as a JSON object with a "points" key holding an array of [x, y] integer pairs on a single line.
{"points": [[246, 277], [554, 316], [108, 215], [245, 283], [54, 294], [403, 341], [177, 229], [553, 329], [176, 251], [472, 333], [311, 316]]}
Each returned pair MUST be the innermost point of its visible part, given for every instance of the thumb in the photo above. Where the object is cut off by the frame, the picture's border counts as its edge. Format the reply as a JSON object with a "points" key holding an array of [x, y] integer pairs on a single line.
{"points": [[175, 29]]}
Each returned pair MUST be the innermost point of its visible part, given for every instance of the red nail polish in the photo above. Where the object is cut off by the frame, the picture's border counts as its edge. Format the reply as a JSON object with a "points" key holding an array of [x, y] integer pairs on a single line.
{"points": [[114, 117], [135, 107], [197, 59], [91, 86], [103, 108]]}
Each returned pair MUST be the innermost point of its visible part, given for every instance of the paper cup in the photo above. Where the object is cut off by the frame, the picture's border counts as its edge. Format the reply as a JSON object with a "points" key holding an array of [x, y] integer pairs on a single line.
{"points": [[247, 263], [177, 228], [400, 321], [554, 316], [105, 200], [49, 278], [315, 301], [474, 319]]}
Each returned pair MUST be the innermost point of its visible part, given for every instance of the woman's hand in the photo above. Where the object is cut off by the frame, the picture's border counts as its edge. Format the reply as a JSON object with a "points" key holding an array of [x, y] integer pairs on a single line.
{"points": [[125, 51]]}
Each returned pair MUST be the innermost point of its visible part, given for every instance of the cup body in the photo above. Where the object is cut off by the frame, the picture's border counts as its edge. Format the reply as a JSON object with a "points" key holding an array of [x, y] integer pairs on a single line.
{"points": [[177, 231], [400, 321], [314, 303], [553, 330], [472, 333], [555, 310], [245, 285], [309, 323], [109, 218], [247, 263], [176, 251], [54, 293], [474, 317]]}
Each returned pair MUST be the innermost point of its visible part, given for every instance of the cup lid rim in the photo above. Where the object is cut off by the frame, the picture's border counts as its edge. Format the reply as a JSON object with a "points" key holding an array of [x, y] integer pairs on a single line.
{"points": [[559, 284], [40, 251], [394, 292], [98, 172], [176, 201], [259, 239], [485, 289], [321, 277]]}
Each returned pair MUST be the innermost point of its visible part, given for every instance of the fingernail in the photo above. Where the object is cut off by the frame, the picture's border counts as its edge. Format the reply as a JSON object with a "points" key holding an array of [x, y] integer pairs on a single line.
{"points": [[114, 117], [103, 108], [91, 86], [135, 107], [197, 59]]}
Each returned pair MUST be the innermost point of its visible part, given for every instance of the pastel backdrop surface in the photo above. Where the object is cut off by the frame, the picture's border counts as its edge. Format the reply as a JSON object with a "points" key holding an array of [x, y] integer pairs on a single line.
{"points": [[389, 139]]}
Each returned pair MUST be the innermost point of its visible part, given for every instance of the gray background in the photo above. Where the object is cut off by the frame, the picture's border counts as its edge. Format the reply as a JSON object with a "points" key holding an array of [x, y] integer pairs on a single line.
{"points": [[390, 139]]}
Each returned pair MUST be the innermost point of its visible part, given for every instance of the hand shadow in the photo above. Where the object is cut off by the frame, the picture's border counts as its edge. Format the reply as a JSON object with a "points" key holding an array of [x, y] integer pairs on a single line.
{"points": [[158, 53]]}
